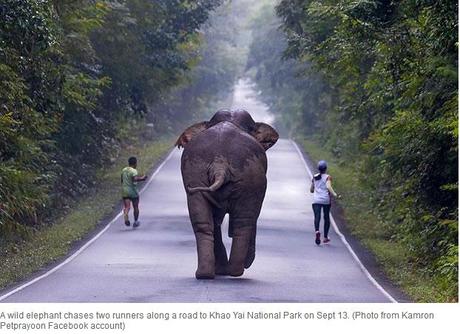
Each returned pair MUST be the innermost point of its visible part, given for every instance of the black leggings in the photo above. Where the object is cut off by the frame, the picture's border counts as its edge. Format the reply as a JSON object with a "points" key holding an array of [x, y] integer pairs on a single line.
{"points": [[317, 212]]}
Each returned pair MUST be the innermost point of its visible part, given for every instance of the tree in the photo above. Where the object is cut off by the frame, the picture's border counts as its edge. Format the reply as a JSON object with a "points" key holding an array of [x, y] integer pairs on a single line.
{"points": [[376, 81]]}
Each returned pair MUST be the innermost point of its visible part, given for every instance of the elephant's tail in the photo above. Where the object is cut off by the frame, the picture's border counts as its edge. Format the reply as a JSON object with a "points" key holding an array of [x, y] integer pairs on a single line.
{"points": [[218, 182], [219, 171]]}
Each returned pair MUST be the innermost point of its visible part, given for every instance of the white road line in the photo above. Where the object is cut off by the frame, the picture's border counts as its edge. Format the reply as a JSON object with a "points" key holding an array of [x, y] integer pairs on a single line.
{"points": [[82, 248], [344, 240]]}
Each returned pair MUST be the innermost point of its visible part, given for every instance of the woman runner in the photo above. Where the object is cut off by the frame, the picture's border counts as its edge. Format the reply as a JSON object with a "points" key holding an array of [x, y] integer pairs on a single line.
{"points": [[321, 187]]}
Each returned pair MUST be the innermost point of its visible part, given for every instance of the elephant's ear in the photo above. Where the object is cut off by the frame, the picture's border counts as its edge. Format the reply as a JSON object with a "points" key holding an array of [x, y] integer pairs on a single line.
{"points": [[265, 135], [190, 132]]}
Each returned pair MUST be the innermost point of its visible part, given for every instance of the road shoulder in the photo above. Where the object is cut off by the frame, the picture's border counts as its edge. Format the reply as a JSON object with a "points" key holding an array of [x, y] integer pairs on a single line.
{"points": [[366, 257], [32, 253]]}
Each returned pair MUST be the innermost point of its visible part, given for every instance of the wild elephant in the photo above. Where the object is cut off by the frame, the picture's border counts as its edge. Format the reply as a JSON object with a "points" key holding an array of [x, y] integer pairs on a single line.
{"points": [[224, 168]]}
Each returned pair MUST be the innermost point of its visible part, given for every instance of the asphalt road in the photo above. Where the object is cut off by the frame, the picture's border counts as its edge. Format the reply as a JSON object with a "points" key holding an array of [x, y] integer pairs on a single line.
{"points": [[157, 262]]}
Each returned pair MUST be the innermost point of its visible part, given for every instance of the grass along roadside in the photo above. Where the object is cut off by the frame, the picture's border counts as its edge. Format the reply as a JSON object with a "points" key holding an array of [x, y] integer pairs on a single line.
{"points": [[52, 242], [364, 224]]}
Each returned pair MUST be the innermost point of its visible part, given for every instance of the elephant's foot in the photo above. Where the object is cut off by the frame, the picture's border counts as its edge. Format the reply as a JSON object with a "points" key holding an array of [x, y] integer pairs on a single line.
{"points": [[250, 257], [235, 270], [236, 273], [221, 270], [239, 252], [205, 250], [205, 270], [204, 275], [221, 263]]}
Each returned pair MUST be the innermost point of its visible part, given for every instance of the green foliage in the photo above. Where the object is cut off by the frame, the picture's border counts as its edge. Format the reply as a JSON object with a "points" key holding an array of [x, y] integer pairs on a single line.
{"points": [[26, 40], [280, 78], [146, 47], [74, 72], [209, 85], [376, 81]]}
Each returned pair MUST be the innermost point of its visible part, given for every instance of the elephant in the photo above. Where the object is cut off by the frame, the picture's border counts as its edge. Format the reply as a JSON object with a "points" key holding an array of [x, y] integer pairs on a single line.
{"points": [[224, 168]]}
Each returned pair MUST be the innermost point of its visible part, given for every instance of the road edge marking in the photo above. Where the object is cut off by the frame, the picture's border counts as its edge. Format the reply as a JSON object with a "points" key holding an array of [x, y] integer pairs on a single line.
{"points": [[344, 239], [87, 244]]}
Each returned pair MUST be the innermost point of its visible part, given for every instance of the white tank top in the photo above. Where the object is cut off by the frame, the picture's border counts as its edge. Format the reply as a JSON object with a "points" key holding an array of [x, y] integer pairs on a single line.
{"points": [[321, 194]]}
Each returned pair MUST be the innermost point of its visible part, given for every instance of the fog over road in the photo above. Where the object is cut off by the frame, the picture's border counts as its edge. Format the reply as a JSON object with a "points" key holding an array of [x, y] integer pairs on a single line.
{"points": [[157, 262]]}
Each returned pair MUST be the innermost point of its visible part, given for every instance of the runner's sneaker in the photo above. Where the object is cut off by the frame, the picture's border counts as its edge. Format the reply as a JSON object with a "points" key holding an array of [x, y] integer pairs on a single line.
{"points": [[136, 224], [318, 238], [326, 240], [127, 223]]}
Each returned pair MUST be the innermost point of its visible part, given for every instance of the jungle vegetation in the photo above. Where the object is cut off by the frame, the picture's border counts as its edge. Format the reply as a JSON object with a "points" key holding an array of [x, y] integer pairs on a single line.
{"points": [[79, 76], [375, 83]]}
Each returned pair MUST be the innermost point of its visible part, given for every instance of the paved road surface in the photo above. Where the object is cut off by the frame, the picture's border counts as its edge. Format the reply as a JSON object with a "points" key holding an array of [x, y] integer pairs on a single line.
{"points": [[157, 262]]}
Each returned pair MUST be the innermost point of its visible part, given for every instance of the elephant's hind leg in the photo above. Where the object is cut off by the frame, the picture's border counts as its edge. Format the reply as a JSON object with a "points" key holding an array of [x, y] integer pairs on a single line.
{"points": [[200, 212]]}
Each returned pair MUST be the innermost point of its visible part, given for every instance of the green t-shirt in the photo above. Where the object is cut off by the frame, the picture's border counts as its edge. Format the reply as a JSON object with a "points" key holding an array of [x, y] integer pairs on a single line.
{"points": [[128, 185]]}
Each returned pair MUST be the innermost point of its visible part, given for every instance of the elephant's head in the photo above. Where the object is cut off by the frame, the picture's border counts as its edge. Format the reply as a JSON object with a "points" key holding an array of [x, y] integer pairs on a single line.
{"points": [[263, 133]]}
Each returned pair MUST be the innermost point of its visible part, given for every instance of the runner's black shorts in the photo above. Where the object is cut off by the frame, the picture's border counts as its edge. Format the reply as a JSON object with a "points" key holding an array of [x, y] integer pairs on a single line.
{"points": [[132, 199]]}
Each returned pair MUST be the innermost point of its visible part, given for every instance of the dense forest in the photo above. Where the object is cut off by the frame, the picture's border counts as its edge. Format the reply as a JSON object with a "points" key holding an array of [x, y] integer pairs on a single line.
{"points": [[375, 83], [76, 75]]}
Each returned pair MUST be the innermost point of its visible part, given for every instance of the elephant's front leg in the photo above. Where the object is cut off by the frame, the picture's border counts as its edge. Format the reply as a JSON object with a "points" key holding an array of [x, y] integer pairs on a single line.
{"points": [[220, 252], [203, 225], [242, 235], [251, 249]]}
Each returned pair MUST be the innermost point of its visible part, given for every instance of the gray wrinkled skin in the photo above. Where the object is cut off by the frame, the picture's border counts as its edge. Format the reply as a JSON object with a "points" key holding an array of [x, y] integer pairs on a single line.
{"points": [[224, 168]]}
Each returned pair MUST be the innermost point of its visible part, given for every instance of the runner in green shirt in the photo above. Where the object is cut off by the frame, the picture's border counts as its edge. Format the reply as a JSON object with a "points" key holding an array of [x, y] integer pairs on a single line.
{"points": [[129, 179]]}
